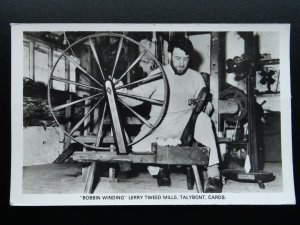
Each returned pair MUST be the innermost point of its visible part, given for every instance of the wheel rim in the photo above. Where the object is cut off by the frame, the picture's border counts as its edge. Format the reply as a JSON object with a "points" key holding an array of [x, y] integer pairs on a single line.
{"points": [[98, 88]]}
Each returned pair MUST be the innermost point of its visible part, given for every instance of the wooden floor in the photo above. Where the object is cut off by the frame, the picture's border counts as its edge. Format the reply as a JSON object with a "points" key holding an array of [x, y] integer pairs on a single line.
{"points": [[67, 178]]}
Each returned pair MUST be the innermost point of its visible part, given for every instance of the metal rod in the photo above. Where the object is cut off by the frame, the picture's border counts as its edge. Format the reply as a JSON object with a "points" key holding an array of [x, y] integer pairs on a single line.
{"points": [[83, 70], [137, 115], [86, 115], [117, 57], [130, 67], [154, 101], [75, 102], [73, 82], [96, 56], [150, 78]]}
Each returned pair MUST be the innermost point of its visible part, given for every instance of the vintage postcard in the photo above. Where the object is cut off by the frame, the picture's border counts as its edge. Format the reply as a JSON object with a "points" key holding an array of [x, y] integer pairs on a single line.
{"points": [[151, 114]]}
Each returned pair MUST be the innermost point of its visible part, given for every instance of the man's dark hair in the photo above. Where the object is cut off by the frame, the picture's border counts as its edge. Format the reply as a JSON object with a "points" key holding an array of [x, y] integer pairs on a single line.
{"points": [[182, 43]]}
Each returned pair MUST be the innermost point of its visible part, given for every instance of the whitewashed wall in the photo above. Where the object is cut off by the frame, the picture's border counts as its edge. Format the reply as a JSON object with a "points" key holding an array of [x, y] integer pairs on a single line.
{"points": [[268, 44], [201, 45], [40, 146]]}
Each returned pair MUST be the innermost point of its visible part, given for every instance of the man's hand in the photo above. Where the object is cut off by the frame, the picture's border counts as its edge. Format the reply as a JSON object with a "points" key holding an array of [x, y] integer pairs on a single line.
{"points": [[122, 90], [168, 141]]}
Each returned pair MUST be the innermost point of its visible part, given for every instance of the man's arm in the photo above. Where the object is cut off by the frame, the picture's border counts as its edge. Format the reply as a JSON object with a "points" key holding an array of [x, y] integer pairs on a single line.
{"points": [[144, 90], [187, 137]]}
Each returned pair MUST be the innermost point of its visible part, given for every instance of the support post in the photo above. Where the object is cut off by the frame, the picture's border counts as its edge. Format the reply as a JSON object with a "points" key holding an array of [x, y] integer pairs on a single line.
{"points": [[252, 143], [85, 171], [67, 74], [215, 76], [115, 119]]}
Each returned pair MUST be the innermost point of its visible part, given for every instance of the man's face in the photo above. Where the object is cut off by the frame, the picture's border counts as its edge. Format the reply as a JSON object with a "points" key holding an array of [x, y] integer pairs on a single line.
{"points": [[146, 65], [179, 61]]}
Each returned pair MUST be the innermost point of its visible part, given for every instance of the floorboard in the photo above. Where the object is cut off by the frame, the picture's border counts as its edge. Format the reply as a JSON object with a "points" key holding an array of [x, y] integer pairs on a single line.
{"points": [[67, 178]]}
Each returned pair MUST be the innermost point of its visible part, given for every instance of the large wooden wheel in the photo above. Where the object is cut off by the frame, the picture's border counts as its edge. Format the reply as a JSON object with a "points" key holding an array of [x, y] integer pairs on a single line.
{"points": [[103, 90]]}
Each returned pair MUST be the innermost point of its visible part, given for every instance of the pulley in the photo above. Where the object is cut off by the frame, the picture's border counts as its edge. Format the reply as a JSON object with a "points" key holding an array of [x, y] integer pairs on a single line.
{"points": [[234, 94]]}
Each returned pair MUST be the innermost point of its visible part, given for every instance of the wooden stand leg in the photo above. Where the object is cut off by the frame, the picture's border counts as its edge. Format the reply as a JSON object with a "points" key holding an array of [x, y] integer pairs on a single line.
{"points": [[112, 170], [189, 178], [90, 178], [87, 107], [84, 172], [197, 179]]}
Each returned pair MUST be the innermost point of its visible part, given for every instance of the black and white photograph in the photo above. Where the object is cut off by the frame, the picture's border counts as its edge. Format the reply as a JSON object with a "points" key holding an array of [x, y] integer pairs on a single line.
{"points": [[143, 114]]}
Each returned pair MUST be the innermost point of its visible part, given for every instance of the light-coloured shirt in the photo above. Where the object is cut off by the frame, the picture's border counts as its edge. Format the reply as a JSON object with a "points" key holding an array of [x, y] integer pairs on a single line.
{"points": [[181, 89]]}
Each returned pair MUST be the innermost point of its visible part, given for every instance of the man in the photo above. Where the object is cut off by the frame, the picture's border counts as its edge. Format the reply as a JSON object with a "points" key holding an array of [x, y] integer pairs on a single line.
{"points": [[184, 84]]}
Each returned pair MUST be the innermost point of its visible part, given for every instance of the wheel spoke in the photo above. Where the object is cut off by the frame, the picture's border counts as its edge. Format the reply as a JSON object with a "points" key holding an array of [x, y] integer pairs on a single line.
{"points": [[147, 79], [127, 136], [83, 70], [137, 115], [131, 66], [100, 133], [96, 56], [75, 102], [73, 82], [153, 101], [95, 103], [117, 56], [83, 119]]}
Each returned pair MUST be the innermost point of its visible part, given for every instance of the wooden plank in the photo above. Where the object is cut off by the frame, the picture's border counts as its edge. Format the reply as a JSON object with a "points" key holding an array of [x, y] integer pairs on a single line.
{"points": [[182, 155], [166, 155], [113, 157]]}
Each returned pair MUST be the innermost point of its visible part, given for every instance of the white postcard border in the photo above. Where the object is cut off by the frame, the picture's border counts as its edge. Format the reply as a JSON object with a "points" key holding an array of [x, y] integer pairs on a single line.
{"points": [[287, 196]]}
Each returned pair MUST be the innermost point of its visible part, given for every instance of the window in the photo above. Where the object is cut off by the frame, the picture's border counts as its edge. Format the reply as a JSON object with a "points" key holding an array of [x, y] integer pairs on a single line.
{"points": [[37, 65], [26, 69], [59, 71], [41, 64]]}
